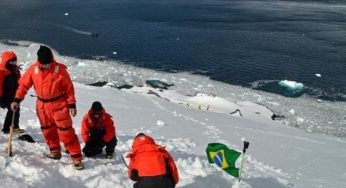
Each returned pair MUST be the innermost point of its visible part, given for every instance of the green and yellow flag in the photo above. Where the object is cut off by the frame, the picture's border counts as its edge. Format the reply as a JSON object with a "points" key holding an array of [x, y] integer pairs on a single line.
{"points": [[223, 157]]}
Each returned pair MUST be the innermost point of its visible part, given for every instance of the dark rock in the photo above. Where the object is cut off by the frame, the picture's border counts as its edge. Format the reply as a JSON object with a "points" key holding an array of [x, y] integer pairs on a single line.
{"points": [[98, 84], [158, 84], [126, 86]]}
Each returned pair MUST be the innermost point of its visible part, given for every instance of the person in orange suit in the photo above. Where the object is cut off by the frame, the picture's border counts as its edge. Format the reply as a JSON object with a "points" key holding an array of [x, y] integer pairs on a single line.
{"points": [[9, 76], [55, 103], [98, 131], [151, 165]]}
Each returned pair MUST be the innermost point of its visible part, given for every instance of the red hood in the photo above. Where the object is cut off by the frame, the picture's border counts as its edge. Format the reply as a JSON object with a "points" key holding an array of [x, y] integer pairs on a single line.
{"points": [[6, 56], [142, 140]]}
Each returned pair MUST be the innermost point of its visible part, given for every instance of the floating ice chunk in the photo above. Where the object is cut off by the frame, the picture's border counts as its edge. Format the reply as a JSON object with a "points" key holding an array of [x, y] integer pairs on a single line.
{"points": [[310, 129], [292, 112], [115, 53], [318, 75], [300, 121], [110, 84], [292, 86], [160, 123], [66, 13], [204, 95], [319, 100], [81, 64]]}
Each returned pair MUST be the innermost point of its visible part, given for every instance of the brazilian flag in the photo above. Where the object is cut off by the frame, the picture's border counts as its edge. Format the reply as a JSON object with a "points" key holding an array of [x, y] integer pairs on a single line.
{"points": [[223, 157]]}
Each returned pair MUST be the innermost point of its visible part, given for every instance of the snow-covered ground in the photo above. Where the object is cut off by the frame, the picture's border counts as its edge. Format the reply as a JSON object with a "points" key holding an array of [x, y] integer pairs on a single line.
{"points": [[278, 156]]}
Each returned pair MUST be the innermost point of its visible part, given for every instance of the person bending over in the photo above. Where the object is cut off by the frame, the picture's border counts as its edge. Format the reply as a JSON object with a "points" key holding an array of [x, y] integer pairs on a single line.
{"points": [[151, 165]]}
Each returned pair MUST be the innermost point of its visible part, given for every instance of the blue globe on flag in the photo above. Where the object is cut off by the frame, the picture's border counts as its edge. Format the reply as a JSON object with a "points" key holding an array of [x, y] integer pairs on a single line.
{"points": [[218, 158]]}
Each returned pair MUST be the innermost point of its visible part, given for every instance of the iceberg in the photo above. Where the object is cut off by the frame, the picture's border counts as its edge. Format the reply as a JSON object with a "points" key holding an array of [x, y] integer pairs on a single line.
{"points": [[292, 86]]}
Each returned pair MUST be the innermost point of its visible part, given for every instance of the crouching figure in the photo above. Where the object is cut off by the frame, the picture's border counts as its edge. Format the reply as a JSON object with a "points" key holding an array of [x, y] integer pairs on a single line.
{"points": [[151, 165], [98, 131]]}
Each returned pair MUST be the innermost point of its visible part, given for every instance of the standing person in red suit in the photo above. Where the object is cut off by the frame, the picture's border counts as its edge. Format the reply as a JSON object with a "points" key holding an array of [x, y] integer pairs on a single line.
{"points": [[9, 76], [98, 131], [151, 165], [55, 104]]}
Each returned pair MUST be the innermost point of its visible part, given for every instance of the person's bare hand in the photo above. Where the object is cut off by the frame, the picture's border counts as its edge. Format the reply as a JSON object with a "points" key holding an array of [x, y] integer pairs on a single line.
{"points": [[14, 106], [73, 112]]}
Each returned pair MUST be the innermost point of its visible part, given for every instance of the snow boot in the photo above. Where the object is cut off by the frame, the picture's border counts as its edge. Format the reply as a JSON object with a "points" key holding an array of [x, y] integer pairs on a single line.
{"points": [[54, 156], [18, 130], [109, 156], [78, 165]]}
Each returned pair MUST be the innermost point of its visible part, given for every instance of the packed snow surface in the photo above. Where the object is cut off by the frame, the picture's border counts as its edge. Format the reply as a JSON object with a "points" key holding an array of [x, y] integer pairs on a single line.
{"points": [[279, 156]]}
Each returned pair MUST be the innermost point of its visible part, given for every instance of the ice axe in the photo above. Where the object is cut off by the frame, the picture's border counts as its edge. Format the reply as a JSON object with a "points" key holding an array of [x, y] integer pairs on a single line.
{"points": [[9, 142]]}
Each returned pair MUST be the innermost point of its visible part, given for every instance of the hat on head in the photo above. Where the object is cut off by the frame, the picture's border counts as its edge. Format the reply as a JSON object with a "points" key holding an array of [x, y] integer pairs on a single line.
{"points": [[96, 106], [44, 55]]}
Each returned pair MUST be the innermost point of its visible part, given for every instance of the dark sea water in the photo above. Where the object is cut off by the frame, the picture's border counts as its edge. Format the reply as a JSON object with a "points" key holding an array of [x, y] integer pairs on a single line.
{"points": [[248, 43]]}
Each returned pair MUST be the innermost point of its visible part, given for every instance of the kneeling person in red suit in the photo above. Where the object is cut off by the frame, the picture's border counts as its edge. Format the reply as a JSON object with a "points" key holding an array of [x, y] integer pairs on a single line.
{"points": [[98, 131]]}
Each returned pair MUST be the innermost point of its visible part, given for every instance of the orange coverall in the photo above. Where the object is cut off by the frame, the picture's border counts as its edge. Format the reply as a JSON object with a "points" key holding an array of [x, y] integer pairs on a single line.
{"points": [[55, 95], [150, 160]]}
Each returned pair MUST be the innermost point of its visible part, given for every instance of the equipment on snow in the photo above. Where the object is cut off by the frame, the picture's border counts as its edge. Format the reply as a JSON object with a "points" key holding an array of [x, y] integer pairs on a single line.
{"points": [[26, 137], [9, 143]]}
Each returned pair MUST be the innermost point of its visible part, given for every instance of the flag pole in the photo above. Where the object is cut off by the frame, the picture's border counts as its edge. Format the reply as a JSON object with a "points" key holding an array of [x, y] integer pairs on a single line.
{"points": [[246, 146]]}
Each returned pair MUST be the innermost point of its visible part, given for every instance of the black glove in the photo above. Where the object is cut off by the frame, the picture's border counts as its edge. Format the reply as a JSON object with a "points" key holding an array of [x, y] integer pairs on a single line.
{"points": [[96, 134], [101, 132], [2, 102], [134, 175], [101, 143], [92, 135]]}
